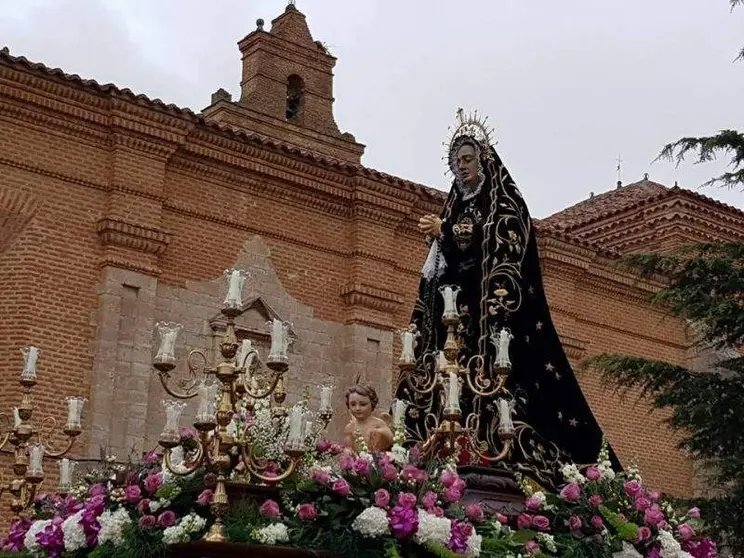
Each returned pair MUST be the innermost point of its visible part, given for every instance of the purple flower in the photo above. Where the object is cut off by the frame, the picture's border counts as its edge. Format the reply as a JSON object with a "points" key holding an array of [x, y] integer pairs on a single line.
{"points": [[96, 505], [18, 529], [597, 522], [685, 532], [694, 513], [133, 493], [448, 478], [147, 522], [633, 488], [595, 500], [453, 493], [524, 521], [533, 503], [307, 512], [270, 509], [97, 490], [321, 477], [205, 498], [642, 503], [411, 472], [429, 500], [153, 482], [151, 457], [474, 512], [644, 533], [574, 523], [382, 498], [459, 535], [532, 547], [403, 522], [389, 473], [541, 523], [341, 487], [346, 461], [144, 506], [654, 551], [323, 445], [653, 516], [51, 538], [407, 500], [593, 474], [361, 467], [571, 492], [704, 548], [167, 518], [654, 495]]}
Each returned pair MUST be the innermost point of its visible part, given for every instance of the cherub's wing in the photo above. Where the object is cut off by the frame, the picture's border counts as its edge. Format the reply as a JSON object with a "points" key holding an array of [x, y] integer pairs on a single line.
{"points": [[388, 418]]}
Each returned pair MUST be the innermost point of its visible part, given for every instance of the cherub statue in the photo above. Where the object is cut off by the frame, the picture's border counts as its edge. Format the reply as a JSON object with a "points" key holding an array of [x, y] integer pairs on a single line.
{"points": [[361, 400]]}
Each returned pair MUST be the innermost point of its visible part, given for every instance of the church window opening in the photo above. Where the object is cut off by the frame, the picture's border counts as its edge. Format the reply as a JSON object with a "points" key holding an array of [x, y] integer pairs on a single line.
{"points": [[295, 91]]}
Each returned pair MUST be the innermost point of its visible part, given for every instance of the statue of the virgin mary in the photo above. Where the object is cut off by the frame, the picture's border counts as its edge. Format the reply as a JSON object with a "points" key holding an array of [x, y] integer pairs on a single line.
{"points": [[483, 243]]}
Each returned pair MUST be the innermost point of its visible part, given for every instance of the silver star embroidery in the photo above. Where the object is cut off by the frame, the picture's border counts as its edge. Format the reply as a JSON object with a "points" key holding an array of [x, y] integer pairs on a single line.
{"points": [[531, 290], [538, 326], [558, 376], [549, 367], [560, 415], [537, 385], [526, 338], [573, 422]]}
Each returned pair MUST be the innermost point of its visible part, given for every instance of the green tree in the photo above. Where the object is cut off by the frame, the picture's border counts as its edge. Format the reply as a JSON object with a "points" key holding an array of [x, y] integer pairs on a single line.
{"points": [[704, 285]]}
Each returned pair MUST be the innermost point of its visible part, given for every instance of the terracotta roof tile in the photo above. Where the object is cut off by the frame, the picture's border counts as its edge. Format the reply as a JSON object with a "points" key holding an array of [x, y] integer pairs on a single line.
{"points": [[603, 204]]}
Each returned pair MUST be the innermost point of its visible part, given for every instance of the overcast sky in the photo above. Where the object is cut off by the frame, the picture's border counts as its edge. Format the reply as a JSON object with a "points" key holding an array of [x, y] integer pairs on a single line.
{"points": [[569, 84]]}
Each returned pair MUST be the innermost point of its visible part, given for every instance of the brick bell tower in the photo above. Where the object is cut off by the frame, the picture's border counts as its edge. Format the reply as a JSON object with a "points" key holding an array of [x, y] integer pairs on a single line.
{"points": [[286, 90]]}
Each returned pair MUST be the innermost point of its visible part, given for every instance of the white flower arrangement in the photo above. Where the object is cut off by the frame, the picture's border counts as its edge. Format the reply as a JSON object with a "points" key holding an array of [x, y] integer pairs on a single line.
{"points": [[29, 541], [571, 473], [670, 547], [628, 551], [272, 534], [73, 533], [548, 541], [474, 545], [432, 529], [182, 531], [112, 526], [372, 522]]}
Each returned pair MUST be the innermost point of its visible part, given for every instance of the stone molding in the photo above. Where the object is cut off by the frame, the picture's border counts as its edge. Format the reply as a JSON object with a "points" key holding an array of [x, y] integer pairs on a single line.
{"points": [[113, 232]]}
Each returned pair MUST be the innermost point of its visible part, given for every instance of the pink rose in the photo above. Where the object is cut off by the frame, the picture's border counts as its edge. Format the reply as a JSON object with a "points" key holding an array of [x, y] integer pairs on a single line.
{"points": [[644, 533], [151, 457], [382, 498], [633, 488], [336, 449], [307, 512], [453, 494], [341, 487], [501, 518], [654, 495], [321, 477], [361, 467], [524, 521], [571, 492], [411, 472], [205, 498], [593, 474], [437, 511], [694, 513], [541, 523], [474, 512], [97, 490], [642, 504], [574, 523], [346, 462], [167, 519], [407, 500], [653, 516], [323, 445], [429, 500], [595, 500], [153, 482], [448, 478], [685, 532], [133, 494], [597, 522], [533, 503], [532, 547], [147, 522], [143, 506], [270, 509], [389, 473]]}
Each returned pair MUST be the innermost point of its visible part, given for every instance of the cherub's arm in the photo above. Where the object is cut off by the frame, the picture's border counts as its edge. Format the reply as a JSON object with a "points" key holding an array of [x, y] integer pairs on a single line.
{"points": [[349, 435]]}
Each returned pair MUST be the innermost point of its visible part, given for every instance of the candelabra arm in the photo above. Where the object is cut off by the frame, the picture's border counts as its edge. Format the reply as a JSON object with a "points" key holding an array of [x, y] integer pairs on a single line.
{"points": [[274, 381], [500, 382], [5, 437], [165, 377], [267, 479], [49, 451], [432, 380], [500, 457], [188, 469], [244, 358]]}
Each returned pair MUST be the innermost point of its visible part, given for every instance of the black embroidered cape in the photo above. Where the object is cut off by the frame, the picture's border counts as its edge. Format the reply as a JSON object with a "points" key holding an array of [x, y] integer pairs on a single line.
{"points": [[497, 268]]}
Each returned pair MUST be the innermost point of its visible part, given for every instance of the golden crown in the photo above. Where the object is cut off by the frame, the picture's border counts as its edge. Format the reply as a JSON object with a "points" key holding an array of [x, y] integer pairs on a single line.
{"points": [[471, 125]]}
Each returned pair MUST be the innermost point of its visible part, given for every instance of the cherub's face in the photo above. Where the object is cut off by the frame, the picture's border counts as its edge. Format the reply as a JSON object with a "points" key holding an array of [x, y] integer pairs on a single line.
{"points": [[360, 406]]}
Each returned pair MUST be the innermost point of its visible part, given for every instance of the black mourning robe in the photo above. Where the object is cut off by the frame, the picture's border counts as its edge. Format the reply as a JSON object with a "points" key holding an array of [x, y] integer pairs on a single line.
{"points": [[554, 423]]}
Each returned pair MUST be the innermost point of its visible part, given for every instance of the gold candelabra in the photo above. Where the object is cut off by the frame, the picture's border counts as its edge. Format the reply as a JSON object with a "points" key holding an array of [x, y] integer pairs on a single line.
{"points": [[32, 443], [439, 375], [240, 375]]}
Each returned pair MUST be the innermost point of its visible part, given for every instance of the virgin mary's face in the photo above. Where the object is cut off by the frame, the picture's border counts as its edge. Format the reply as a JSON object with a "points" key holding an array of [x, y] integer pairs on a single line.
{"points": [[467, 164]]}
